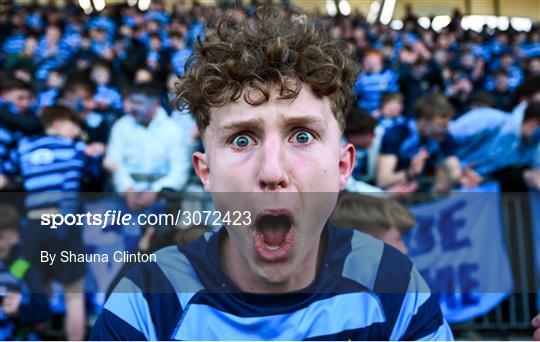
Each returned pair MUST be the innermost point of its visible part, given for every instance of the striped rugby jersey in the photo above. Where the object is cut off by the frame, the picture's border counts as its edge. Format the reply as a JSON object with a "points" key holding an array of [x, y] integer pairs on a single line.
{"points": [[52, 169], [365, 290]]}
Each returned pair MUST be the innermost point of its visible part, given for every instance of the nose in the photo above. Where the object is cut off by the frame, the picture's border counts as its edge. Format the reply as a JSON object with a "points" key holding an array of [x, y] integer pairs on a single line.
{"points": [[273, 167]]}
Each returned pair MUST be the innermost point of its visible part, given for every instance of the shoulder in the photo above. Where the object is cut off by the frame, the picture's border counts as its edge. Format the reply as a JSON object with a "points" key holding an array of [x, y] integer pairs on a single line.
{"points": [[411, 311], [172, 271], [394, 136], [148, 302], [376, 265], [123, 122]]}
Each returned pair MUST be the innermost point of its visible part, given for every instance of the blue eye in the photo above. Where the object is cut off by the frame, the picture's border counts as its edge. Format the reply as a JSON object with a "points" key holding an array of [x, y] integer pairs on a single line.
{"points": [[302, 137], [241, 141]]}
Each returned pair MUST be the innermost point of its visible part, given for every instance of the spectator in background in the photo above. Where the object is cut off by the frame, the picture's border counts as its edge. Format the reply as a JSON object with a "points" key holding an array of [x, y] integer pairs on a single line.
{"points": [[391, 110], [373, 81], [459, 89], [147, 151], [419, 74], [501, 91], [536, 326], [360, 131], [78, 94], [179, 53], [17, 95], [157, 59], [107, 97], [496, 144], [55, 82], [15, 99], [25, 58], [51, 52], [52, 167], [24, 308], [383, 218], [421, 147], [131, 55], [84, 58]]}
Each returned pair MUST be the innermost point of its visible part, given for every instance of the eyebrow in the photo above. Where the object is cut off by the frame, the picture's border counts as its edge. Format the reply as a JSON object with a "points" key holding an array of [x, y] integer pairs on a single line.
{"points": [[306, 120], [301, 120], [241, 125]]}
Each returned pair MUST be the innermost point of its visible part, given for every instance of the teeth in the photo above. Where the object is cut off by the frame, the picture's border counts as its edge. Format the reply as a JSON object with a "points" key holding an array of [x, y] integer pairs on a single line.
{"points": [[271, 247]]}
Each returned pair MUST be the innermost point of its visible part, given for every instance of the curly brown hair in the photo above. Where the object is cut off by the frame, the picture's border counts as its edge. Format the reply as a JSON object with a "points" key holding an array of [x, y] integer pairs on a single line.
{"points": [[271, 49]]}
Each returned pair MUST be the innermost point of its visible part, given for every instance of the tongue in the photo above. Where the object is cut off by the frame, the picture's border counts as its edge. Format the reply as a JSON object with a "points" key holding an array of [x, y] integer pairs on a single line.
{"points": [[274, 236]]}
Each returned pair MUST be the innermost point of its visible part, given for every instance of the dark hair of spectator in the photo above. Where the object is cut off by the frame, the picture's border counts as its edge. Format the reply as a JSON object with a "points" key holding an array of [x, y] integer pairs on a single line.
{"points": [[482, 98], [155, 36], [12, 83], [272, 51], [58, 112], [532, 111], [371, 214], [527, 89], [79, 80], [10, 218], [388, 97], [176, 34], [150, 89], [432, 106], [359, 121]]}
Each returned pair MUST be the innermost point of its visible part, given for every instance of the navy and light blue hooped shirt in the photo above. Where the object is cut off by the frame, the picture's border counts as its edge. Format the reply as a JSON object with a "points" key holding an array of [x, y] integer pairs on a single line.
{"points": [[404, 141], [365, 290]]}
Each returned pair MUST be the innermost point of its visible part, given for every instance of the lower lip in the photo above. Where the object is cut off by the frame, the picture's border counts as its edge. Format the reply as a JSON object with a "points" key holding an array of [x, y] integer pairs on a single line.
{"points": [[276, 253]]}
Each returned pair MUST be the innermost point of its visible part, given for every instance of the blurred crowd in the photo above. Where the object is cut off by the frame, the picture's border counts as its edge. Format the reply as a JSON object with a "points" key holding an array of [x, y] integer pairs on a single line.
{"points": [[87, 104]]}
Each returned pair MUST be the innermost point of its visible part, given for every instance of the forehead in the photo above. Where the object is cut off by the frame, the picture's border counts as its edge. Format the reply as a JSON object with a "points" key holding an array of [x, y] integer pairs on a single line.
{"points": [[140, 98], [306, 106], [17, 92]]}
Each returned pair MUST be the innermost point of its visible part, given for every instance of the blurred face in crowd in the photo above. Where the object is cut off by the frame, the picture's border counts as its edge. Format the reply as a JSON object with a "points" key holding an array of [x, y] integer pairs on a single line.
{"points": [[155, 44], [177, 43], [467, 61], [8, 239], [282, 161], [79, 98], [101, 75], [507, 60], [143, 76], [141, 107], [52, 34], [531, 130], [152, 26], [392, 108], [534, 66], [30, 45], [436, 128], [501, 83], [126, 31], [55, 80], [373, 62], [20, 98], [65, 128]]}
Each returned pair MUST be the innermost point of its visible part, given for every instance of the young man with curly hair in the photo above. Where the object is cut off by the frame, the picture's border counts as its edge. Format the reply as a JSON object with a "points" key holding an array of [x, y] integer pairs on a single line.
{"points": [[269, 98]]}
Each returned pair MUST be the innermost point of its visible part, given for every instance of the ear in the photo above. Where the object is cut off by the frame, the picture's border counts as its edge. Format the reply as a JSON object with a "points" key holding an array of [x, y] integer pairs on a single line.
{"points": [[200, 163], [346, 164]]}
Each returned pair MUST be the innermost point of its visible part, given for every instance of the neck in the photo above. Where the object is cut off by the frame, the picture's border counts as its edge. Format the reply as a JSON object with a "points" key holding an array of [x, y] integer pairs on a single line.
{"points": [[246, 279]]}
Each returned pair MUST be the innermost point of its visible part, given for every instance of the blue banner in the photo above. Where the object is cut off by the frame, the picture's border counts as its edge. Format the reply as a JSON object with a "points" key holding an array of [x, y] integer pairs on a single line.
{"points": [[535, 213], [458, 246]]}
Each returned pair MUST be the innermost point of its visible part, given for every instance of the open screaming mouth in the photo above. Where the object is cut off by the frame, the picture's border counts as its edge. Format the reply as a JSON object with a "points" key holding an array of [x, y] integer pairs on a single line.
{"points": [[273, 234]]}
